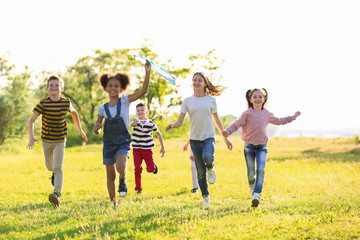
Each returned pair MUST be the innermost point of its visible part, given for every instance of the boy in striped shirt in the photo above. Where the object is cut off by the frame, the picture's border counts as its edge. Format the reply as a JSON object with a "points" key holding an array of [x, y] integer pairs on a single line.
{"points": [[143, 143], [54, 132]]}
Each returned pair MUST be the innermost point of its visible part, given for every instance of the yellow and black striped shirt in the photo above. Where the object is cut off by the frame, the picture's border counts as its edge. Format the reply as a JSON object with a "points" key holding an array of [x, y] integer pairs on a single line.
{"points": [[54, 127]]}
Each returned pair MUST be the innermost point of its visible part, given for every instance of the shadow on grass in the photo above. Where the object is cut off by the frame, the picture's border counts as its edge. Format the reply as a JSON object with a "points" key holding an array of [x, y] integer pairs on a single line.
{"points": [[165, 220], [350, 156]]}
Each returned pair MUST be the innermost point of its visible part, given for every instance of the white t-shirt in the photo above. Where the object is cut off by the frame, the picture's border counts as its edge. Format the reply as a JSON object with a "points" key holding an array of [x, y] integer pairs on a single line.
{"points": [[200, 110], [124, 113]]}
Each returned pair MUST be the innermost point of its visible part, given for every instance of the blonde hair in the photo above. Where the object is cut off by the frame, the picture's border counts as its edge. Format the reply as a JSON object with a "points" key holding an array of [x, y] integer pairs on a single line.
{"points": [[210, 89]]}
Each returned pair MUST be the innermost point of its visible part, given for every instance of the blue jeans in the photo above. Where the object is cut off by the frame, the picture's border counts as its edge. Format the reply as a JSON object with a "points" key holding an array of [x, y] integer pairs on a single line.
{"points": [[204, 158], [258, 154]]}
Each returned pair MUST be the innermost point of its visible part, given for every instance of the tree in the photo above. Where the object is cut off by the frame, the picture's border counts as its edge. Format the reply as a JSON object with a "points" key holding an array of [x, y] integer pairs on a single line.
{"points": [[19, 100]]}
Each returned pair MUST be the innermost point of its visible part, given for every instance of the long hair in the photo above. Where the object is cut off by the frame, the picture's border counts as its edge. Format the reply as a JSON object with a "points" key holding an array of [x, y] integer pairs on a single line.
{"points": [[210, 89], [122, 77], [250, 92]]}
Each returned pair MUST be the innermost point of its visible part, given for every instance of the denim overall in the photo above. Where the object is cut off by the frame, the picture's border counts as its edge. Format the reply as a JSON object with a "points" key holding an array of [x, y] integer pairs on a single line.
{"points": [[116, 136]]}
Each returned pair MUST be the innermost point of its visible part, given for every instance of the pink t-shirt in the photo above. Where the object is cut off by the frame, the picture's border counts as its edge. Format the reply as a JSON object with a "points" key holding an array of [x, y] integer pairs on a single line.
{"points": [[254, 123]]}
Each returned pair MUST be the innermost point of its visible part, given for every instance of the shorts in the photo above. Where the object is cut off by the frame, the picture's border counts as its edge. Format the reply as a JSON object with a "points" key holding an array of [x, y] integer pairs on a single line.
{"points": [[111, 151]]}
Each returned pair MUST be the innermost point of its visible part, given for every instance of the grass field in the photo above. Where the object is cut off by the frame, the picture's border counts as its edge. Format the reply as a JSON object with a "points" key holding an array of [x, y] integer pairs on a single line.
{"points": [[311, 191]]}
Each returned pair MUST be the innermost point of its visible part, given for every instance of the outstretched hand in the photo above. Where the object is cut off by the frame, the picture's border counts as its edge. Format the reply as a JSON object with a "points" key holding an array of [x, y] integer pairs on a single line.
{"points": [[298, 113], [31, 143]]}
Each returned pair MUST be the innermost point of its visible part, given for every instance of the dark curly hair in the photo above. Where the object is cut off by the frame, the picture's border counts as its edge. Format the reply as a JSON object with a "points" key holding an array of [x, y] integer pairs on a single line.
{"points": [[122, 77]]}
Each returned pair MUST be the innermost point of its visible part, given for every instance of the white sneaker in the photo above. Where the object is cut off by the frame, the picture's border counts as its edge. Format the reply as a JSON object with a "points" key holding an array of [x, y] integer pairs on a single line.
{"points": [[211, 175], [206, 202], [251, 188], [255, 200], [55, 200]]}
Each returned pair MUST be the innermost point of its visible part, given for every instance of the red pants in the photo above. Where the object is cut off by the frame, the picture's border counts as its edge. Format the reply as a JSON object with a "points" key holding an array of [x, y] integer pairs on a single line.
{"points": [[140, 154]]}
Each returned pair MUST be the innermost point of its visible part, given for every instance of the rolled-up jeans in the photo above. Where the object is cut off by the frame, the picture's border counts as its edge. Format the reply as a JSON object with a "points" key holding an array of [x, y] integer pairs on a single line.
{"points": [[204, 158], [256, 153], [54, 158]]}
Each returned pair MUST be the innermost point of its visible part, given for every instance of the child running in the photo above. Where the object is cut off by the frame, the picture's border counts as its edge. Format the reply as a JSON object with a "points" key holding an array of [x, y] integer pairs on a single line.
{"points": [[116, 136], [143, 143], [253, 123], [202, 111], [54, 132], [195, 183]]}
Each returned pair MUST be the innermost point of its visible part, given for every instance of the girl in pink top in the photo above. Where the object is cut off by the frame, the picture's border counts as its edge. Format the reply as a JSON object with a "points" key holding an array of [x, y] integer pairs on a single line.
{"points": [[253, 123]]}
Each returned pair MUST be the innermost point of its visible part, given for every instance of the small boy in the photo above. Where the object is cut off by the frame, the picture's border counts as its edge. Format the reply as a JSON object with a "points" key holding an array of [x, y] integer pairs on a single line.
{"points": [[143, 143], [54, 132]]}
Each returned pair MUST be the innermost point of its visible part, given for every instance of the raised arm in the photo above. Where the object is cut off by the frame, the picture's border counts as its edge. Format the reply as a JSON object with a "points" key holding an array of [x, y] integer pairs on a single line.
{"points": [[176, 124], [32, 139], [138, 94]]}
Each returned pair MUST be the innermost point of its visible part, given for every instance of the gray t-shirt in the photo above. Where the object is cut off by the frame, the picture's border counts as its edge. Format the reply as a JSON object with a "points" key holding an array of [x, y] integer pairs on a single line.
{"points": [[200, 110], [124, 113]]}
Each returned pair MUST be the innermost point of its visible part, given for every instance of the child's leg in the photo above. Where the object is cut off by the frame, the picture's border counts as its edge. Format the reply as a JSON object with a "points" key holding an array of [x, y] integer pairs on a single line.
{"points": [[110, 180], [249, 153], [48, 154], [138, 168], [59, 154], [197, 148], [208, 152], [194, 174], [149, 160], [121, 165], [261, 155]]}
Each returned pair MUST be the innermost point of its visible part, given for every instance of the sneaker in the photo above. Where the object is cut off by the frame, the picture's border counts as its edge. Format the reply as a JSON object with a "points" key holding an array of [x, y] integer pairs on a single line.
{"points": [[255, 200], [251, 188], [211, 175], [206, 202], [55, 200], [114, 204], [139, 191], [194, 190], [156, 169], [123, 188], [52, 179]]}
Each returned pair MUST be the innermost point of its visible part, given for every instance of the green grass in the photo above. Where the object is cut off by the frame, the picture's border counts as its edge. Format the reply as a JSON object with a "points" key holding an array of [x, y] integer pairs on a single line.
{"points": [[311, 191]]}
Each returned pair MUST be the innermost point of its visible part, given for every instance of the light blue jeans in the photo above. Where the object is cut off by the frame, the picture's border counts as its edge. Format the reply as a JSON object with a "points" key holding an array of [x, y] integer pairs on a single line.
{"points": [[204, 158], [258, 154]]}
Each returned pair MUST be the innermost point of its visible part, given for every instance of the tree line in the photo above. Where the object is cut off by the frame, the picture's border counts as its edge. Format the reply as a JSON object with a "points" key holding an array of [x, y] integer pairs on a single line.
{"points": [[19, 95]]}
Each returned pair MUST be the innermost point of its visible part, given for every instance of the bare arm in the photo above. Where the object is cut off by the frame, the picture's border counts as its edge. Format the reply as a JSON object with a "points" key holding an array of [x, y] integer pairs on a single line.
{"points": [[186, 145], [76, 118], [176, 124], [98, 124], [134, 122], [221, 129], [138, 94], [162, 150], [32, 139]]}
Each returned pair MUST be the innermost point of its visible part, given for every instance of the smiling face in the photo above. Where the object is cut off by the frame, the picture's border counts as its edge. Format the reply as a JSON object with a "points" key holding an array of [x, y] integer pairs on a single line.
{"points": [[141, 112], [257, 99], [199, 83], [113, 88], [54, 88]]}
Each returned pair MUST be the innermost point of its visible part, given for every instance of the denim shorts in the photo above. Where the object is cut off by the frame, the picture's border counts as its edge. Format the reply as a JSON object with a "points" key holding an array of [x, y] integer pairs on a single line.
{"points": [[111, 151]]}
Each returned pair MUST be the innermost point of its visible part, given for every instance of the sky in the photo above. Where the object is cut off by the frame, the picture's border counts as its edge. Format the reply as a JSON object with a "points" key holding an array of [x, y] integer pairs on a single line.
{"points": [[306, 54]]}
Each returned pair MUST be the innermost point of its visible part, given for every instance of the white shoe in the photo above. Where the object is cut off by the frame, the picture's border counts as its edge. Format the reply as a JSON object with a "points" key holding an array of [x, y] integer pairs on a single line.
{"points": [[206, 202], [211, 175], [251, 188], [255, 200]]}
